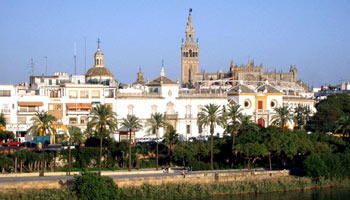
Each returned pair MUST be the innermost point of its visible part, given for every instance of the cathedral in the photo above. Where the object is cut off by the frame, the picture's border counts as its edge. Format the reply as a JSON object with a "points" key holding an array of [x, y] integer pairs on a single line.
{"points": [[191, 77]]}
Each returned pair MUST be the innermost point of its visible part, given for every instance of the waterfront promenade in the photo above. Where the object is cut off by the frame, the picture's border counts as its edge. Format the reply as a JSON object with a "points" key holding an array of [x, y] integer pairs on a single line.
{"points": [[135, 178]]}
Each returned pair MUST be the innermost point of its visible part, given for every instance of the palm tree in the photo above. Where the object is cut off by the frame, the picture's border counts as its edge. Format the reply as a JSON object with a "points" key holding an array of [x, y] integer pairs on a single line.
{"points": [[210, 115], [42, 124], [157, 121], [104, 121], [232, 115], [282, 117], [171, 137], [302, 116], [343, 125], [132, 124], [74, 134], [246, 124]]}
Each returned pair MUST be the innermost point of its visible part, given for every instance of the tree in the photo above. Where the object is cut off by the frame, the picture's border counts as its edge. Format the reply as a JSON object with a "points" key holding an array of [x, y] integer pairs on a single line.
{"points": [[302, 115], [132, 124], [210, 115], [171, 137], [328, 112], [43, 124], [273, 142], [282, 117], [233, 114], [6, 135], [2, 122], [156, 122], [184, 151], [74, 134], [104, 121], [246, 124], [5, 162], [343, 125]]}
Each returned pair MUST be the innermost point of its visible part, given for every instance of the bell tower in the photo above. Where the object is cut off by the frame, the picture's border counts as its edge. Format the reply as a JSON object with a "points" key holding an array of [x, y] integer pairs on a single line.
{"points": [[189, 55], [98, 56]]}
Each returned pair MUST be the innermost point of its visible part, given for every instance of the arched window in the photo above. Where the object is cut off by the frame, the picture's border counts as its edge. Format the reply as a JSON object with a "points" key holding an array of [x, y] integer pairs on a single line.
{"points": [[190, 53], [170, 109]]}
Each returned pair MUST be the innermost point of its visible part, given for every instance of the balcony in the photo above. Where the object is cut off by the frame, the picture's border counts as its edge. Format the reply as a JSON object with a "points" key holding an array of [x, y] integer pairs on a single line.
{"points": [[27, 110], [188, 116], [149, 95], [6, 110], [262, 112], [77, 112], [171, 116]]}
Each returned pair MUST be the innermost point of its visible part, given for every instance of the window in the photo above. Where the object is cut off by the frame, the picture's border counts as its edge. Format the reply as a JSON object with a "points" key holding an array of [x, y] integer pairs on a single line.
{"points": [[273, 103], [247, 104], [200, 129], [72, 120], [188, 111], [57, 82], [95, 94], [73, 94], [41, 80], [78, 81], [154, 109], [82, 120], [59, 107], [188, 129], [54, 94], [130, 109], [51, 107], [84, 94], [21, 120], [50, 82], [5, 93], [260, 105]]}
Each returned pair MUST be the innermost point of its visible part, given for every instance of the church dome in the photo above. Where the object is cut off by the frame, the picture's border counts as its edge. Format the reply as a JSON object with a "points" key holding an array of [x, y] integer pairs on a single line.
{"points": [[98, 71]]}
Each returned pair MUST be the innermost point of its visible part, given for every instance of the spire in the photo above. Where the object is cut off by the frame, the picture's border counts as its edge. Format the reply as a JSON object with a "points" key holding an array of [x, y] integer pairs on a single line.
{"points": [[98, 44], [99, 57], [162, 71], [189, 28]]}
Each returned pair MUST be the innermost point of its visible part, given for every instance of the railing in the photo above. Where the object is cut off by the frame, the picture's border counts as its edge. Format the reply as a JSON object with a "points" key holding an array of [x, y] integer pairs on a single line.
{"points": [[188, 116], [28, 109], [198, 94], [261, 111], [171, 116], [5, 110], [139, 94]]}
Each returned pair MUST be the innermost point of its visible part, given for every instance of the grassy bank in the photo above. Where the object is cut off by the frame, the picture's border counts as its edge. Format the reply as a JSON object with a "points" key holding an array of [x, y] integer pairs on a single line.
{"points": [[189, 191]]}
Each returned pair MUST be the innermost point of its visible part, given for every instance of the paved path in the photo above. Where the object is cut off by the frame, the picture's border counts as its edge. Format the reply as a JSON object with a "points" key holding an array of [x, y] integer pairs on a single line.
{"points": [[119, 176]]}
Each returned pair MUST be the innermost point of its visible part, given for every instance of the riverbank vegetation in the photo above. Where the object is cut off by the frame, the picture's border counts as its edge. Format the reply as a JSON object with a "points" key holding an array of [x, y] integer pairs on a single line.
{"points": [[173, 191]]}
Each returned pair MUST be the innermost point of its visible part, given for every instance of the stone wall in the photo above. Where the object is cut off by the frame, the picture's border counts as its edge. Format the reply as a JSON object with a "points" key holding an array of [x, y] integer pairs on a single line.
{"points": [[204, 178], [209, 177]]}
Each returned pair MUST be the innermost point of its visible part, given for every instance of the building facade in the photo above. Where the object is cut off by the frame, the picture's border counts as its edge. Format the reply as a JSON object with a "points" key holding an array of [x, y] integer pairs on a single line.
{"points": [[70, 98]]}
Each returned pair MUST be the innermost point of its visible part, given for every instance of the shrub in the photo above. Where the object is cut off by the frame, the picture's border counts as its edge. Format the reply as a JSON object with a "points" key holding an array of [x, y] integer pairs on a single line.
{"points": [[315, 167], [93, 186]]}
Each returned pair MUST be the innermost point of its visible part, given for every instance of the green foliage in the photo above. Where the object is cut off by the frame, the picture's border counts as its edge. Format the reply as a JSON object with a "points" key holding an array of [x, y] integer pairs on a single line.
{"points": [[5, 162], [328, 112], [6, 135], [282, 117], [91, 186], [315, 167]]}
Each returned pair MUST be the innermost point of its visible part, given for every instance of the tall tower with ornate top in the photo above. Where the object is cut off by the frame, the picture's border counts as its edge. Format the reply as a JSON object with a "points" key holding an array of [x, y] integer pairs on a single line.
{"points": [[189, 55]]}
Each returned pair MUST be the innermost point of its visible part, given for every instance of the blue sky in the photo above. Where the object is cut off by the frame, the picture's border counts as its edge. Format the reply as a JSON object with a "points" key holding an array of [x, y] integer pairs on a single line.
{"points": [[314, 35]]}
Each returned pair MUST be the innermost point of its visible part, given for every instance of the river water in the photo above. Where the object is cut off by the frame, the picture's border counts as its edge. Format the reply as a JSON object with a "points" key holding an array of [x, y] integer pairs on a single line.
{"points": [[322, 194]]}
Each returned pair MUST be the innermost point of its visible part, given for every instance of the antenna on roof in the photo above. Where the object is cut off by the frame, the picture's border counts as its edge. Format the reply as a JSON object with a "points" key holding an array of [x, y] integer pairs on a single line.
{"points": [[75, 59], [32, 66], [85, 54]]}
